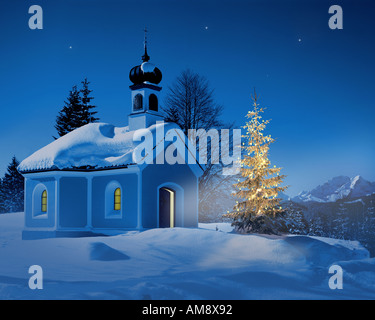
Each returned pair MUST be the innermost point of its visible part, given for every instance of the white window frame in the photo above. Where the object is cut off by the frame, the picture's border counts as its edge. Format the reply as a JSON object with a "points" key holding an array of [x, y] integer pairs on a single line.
{"points": [[37, 212]]}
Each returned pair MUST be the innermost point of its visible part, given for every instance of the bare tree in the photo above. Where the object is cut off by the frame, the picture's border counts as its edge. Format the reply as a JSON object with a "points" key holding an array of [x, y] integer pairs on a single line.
{"points": [[190, 104]]}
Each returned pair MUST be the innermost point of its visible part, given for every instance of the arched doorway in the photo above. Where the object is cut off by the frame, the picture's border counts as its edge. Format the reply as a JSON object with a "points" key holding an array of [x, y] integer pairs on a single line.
{"points": [[167, 208]]}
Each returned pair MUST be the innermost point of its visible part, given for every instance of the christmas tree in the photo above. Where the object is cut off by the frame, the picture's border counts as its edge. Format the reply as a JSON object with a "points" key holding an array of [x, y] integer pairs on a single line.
{"points": [[259, 187]]}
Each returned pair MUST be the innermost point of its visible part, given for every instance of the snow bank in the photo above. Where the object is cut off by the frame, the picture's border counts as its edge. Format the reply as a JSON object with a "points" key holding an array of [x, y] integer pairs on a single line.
{"points": [[102, 252], [181, 263]]}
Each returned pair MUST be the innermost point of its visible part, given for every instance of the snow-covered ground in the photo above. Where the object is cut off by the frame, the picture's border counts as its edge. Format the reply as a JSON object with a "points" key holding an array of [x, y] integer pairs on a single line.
{"points": [[208, 262]]}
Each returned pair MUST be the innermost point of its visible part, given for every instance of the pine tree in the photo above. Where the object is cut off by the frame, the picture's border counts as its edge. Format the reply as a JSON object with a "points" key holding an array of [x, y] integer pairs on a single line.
{"points": [[319, 225], [292, 220], [87, 108], [77, 111], [2, 208], [68, 118], [258, 191], [340, 223], [13, 188], [370, 220], [369, 240]]}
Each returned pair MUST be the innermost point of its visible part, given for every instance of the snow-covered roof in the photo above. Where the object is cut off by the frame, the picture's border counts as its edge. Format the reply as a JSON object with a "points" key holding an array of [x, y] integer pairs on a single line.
{"points": [[93, 146]]}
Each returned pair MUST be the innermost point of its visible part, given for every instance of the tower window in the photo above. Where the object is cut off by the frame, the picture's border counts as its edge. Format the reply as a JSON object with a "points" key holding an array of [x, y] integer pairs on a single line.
{"points": [[117, 199], [138, 102], [153, 102], [44, 201]]}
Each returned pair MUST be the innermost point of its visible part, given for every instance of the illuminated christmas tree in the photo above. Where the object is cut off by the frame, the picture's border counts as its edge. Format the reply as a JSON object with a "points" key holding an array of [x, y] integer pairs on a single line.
{"points": [[259, 188]]}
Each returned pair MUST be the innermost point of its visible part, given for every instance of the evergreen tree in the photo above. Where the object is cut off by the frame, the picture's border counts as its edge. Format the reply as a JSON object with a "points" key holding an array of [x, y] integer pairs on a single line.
{"points": [[77, 112], [88, 115], [320, 225], [369, 240], [13, 188], [68, 118], [258, 191], [370, 220], [2, 208], [340, 224], [294, 220]]}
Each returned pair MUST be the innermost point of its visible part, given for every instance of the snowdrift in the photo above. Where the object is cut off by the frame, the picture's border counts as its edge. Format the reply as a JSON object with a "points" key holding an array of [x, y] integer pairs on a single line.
{"points": [[178, 263]]}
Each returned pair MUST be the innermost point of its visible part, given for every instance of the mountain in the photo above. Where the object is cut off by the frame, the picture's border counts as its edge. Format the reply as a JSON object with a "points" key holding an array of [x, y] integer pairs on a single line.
{"points": [[340, 187], [341, 208], [283, 196]]}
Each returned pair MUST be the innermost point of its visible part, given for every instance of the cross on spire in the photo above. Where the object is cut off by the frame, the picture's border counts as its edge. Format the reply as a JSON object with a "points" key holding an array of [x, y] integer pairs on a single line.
{"points": [[145, 57], [145, 30]]}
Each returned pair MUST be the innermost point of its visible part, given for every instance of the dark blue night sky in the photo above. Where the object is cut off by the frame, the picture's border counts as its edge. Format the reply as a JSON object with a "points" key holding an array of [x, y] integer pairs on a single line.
{"points": [[317, 83]]}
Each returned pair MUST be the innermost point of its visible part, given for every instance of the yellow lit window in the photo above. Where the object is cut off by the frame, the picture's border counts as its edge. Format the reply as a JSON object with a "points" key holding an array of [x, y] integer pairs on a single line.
{"points": [[44, 201], [118, 199]]}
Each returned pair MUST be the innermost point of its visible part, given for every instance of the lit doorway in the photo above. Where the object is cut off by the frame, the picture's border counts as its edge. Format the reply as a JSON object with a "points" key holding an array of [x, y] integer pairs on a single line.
{"points": [[167, 208]]}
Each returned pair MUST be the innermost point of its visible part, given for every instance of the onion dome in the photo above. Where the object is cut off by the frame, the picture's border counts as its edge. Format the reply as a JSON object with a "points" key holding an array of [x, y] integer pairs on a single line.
{"points": [[146, 72]]}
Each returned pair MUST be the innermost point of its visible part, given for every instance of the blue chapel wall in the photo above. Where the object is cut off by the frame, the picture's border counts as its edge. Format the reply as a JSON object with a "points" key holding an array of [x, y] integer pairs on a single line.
{"points": [[34, 187], [127, 217], [154, 176], [73, 202]]}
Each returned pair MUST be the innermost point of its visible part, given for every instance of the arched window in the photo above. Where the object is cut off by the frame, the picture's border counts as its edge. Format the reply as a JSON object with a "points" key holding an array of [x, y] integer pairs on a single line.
{"points": [[153, 102], [117, 199], [138, 102], [44, 201]]}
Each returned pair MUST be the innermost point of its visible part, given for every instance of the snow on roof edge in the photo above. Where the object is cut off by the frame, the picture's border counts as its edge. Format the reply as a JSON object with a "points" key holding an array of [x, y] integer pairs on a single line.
{"points": [[92, 147]]}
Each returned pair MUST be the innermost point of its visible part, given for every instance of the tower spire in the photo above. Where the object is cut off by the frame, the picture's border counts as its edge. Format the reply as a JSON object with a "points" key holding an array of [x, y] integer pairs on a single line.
{"points": [[145, 57]]}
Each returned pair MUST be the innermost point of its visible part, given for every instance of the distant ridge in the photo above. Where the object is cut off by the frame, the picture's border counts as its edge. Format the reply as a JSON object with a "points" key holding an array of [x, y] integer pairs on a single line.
{"points": [[341, 187]]}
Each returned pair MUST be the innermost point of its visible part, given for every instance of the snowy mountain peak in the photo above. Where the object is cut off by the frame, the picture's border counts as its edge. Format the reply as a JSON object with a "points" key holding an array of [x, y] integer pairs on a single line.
{"points": [[361, 187], [341, 187], [356, 180]]}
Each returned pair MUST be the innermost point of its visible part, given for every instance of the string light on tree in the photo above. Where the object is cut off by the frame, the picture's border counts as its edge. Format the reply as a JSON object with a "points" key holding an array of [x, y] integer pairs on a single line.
{"points": [[260, 186]]}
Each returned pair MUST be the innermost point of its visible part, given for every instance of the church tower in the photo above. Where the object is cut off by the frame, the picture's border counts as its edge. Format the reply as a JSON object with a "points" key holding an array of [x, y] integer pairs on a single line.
{"points": [[144, 93]]}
